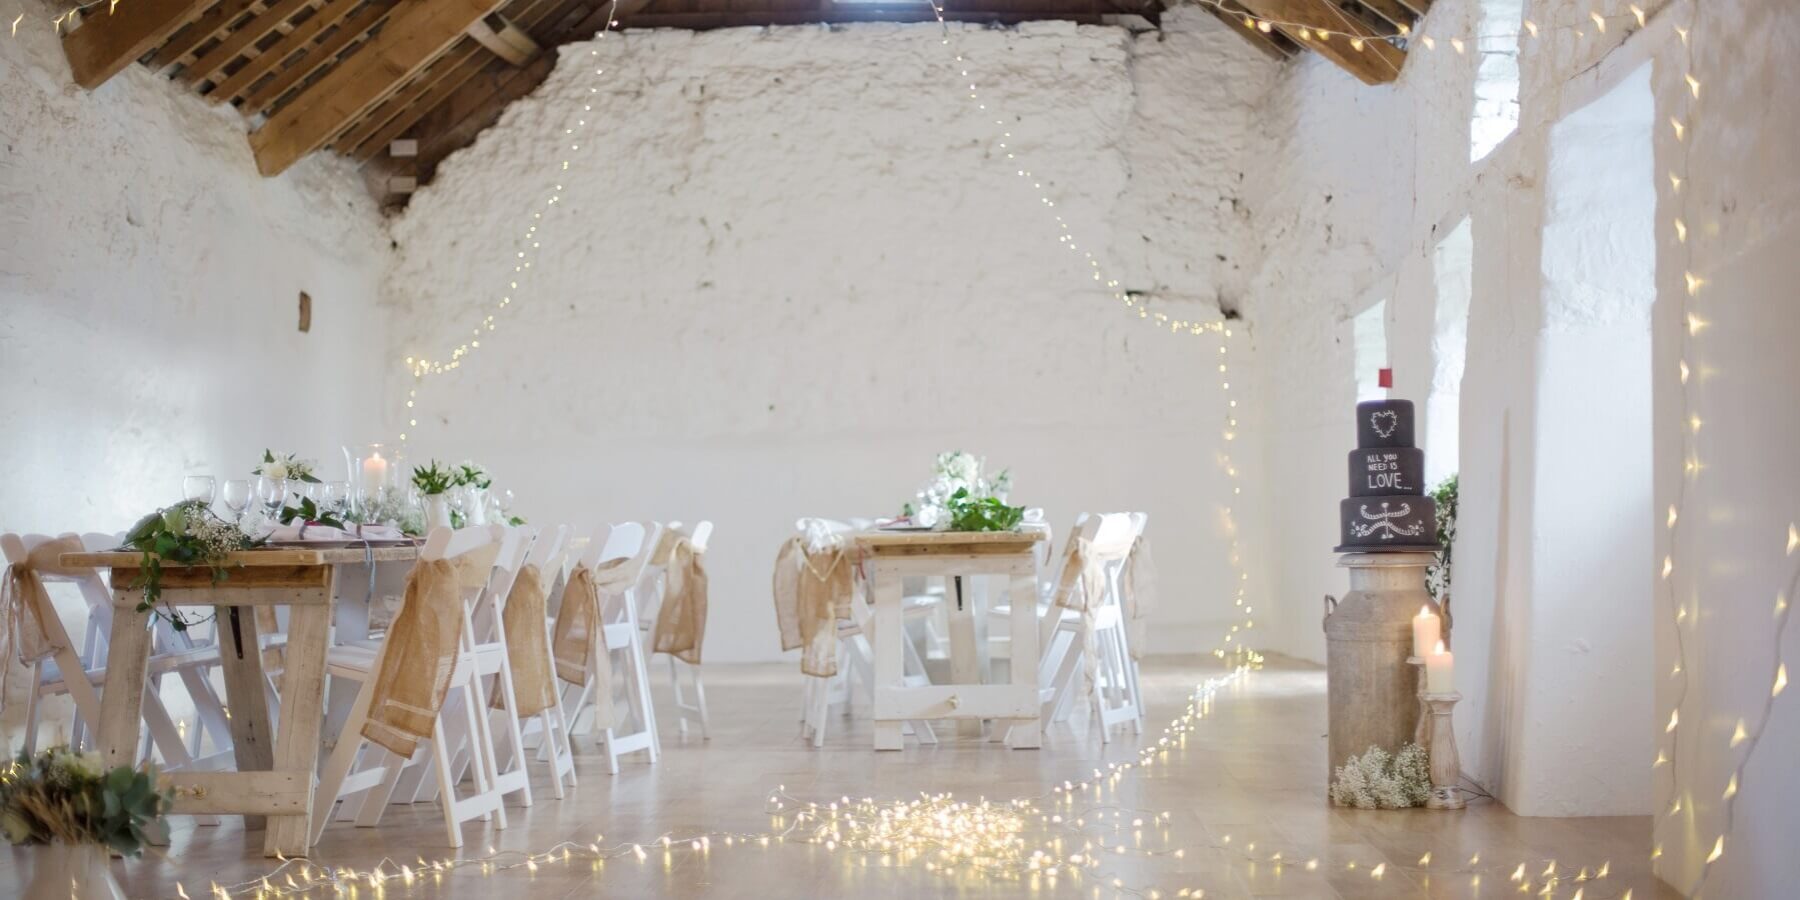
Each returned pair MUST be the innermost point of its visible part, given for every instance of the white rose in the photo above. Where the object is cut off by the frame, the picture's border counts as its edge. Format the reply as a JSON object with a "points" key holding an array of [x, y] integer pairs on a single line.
{"points": [[926, 517], [276, 470]]}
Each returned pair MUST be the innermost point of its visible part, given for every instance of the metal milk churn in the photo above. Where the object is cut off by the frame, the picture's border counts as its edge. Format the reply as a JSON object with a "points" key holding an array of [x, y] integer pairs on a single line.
{"points": [[1373, 692]]}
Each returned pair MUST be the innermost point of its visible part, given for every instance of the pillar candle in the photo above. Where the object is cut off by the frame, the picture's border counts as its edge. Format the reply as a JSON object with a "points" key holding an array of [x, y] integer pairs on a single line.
{"points": [[1440, 671], [1426, 632], [374, 473]]}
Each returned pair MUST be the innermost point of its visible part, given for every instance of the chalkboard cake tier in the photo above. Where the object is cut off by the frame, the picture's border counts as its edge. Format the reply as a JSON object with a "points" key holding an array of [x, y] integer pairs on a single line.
{"points": [[1384, 423], [1387, 471], [1387, 523]]}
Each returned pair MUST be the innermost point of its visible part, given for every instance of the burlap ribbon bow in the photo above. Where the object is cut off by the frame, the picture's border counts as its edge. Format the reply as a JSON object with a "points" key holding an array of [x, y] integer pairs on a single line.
{"points": [[1138, 589], [580, 632], [419, 660], [681, 623], [25, 605], [528, 644], [814, 587]]}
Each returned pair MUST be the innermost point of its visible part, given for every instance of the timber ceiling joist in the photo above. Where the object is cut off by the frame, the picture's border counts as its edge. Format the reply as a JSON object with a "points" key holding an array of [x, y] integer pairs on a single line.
{"points": [[400, 84]]}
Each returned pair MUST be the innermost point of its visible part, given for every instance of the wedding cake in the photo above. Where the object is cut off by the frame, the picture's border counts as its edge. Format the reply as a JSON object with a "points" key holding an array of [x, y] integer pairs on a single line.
{"points": [[1387, 508]]}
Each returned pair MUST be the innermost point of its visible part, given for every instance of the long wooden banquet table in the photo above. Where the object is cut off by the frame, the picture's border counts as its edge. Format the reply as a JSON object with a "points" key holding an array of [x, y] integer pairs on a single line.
{"points": [[891, 555], [275, 770]]}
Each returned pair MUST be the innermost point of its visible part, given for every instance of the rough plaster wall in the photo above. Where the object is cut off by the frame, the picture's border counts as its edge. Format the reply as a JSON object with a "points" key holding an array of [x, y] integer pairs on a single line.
{"points": [[1371, 179], [790, 266], [148, 291], [1730, 552]]}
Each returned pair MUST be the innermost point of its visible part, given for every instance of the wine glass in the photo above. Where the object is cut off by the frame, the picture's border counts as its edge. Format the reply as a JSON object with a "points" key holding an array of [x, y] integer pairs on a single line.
{"points": [[334, 498], [237, 497], [504, 500], [272, 494], [198, 487]]}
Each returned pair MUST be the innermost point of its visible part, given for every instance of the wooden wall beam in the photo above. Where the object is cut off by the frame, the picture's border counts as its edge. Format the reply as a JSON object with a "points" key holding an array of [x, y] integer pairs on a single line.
{"points": [[416, 33], [1375, 62], [107, 42]]}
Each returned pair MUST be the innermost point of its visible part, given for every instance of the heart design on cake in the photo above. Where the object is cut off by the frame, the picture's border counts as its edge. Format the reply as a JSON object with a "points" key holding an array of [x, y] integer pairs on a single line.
{"points": [[1385, 417]]}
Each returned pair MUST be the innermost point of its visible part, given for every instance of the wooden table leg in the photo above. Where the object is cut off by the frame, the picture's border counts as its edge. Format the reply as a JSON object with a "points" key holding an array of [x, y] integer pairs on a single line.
{"points": [[889, 632], [302, 706], [127, 665], [1025, 733], [240, 655]]}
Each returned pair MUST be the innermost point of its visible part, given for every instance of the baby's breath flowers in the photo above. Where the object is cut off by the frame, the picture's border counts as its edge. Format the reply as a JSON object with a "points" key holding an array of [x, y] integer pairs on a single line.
{"points": [[185, 534]]}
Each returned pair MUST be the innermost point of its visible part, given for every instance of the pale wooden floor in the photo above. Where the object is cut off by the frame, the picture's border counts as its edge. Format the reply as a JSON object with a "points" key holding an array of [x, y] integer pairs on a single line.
{"points": [[1252, 774]]}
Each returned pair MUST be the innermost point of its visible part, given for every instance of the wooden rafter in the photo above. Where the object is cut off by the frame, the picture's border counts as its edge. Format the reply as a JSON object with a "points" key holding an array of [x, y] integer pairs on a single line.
{"points": [[316, 57], [417, 32], [188, 41], [1270, 43], [243, 38], [1393, 12], [505, 39], [108, 41], [1374, 62], [234, 85]]}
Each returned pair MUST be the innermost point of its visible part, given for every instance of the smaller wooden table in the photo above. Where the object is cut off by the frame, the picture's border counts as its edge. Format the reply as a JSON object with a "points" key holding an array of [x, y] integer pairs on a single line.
{"points": [[275, 769], [893, 555]]}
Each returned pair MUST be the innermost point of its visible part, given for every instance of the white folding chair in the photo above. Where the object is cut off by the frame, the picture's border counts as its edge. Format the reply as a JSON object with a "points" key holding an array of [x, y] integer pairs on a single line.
{"points": [[856, 656], [82, 674], [551, 727], [368, 773], [684, 711], [500, 738], [1112, 688], [624, 645]]}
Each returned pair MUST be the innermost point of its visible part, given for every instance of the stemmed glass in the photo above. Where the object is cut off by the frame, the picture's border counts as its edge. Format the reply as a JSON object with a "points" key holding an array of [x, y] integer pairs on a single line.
{"points": [[198, 487], [334, 498], [237, 497], [505, 502], [272, 494]]}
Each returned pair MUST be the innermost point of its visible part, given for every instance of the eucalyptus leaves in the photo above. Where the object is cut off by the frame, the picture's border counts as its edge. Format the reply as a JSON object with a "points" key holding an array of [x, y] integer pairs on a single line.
{"points": [[67, 797], [185, 534]]}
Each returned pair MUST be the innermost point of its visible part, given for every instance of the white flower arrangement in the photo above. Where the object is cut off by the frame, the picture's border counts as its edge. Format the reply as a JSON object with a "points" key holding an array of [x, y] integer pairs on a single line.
{"points": [[287, 466], [1377, 780], [955, 471]]}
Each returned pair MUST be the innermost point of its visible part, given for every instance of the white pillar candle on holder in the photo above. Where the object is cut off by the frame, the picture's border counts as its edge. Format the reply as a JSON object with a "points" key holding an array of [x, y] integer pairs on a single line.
{"points": [[1440, 671], [1427, 632], [374, 473]]}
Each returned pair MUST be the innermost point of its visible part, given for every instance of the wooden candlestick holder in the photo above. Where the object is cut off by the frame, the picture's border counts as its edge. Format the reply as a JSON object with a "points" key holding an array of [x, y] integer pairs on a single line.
{"points": [[1446, 767]]}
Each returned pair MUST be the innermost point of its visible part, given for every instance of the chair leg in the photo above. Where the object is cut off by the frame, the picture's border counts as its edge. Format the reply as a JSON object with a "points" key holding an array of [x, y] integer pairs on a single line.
{"points": [[675, 688], [446, 787], [700, 703], [32, 709], [343, 756]]}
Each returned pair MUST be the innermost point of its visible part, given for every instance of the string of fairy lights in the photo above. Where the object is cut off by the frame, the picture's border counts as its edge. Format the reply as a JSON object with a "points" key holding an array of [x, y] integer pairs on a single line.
{"points": [[1076, 835], [1745, 737], [947, 835]]}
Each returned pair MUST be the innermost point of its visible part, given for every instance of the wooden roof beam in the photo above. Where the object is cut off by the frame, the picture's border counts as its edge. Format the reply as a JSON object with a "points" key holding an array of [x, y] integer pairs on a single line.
{"points": [[311, 59], [235, 84], [1375, 62], [107, 42], [504, 39], [1272, 44], [241, 40], [417, 32]]}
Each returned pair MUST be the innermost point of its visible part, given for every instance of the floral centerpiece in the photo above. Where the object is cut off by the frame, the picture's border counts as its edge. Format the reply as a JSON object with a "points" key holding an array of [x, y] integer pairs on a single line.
{"points": [[286, 466], [434, 481], [961, 497], [82, 811], [185, 534]]}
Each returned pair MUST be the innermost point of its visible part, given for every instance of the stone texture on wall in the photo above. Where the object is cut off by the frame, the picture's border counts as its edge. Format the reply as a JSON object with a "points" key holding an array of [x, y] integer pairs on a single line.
{"points": [[149, 286], [790, 265]]}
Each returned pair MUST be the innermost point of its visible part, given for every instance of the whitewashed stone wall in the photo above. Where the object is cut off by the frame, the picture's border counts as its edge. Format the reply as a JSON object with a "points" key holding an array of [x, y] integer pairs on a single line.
{"points": [[149, 284], [789, 266], [1566, 693]]}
